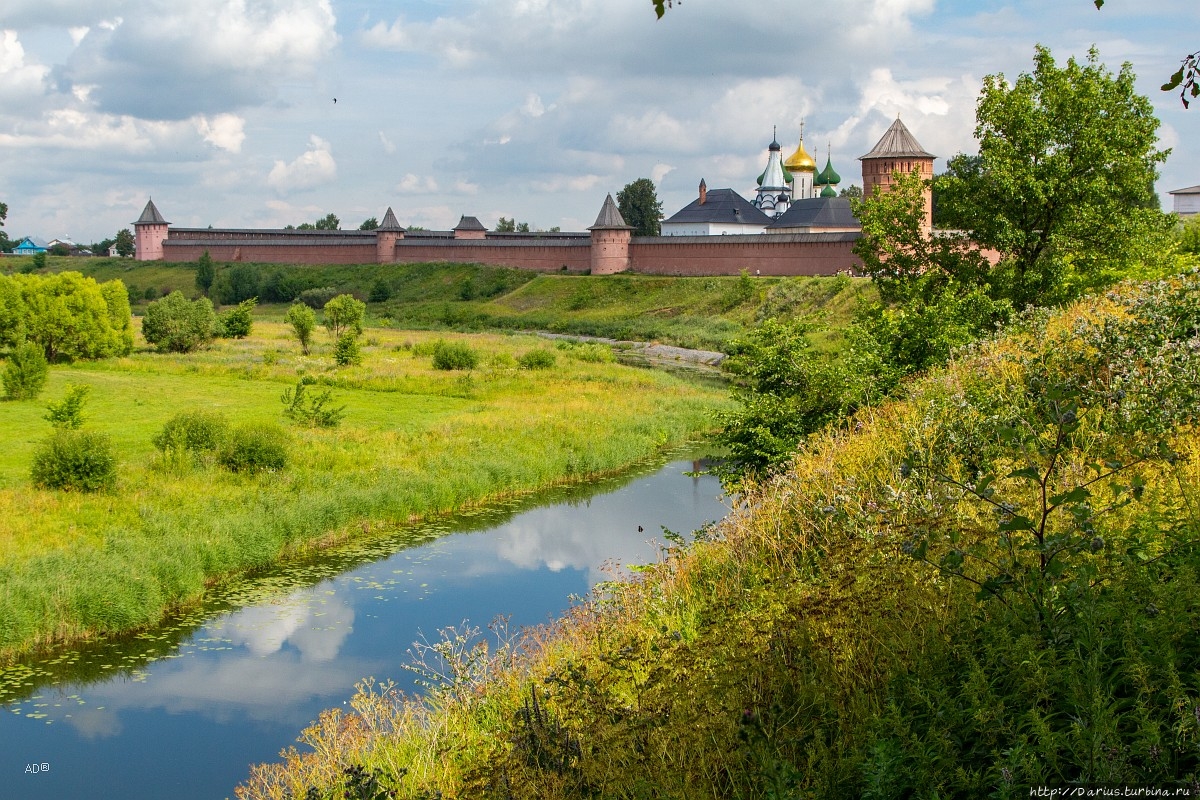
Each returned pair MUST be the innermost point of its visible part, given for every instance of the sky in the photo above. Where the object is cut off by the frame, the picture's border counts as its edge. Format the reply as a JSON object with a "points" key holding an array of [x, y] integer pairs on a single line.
{"points": [[224, 111]]}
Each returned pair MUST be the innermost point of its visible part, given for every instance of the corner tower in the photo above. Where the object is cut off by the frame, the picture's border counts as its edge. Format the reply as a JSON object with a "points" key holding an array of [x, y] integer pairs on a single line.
{"points": [[150, 231], [610, 240], [897, 151], [386, 235]]}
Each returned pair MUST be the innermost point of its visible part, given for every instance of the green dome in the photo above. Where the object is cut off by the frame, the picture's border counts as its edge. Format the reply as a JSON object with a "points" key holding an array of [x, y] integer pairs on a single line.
{"points": [[828, 191], [828, 176]]}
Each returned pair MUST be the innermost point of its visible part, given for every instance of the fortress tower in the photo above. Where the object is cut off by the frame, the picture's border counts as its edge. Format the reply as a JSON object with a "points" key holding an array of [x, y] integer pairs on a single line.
{"points": [[150, 231], [386, 235], [610, 240], [897, 151]]}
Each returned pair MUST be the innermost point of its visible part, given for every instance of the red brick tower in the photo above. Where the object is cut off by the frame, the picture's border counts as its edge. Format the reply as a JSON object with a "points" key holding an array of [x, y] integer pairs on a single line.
{"points": [[150, 231], [897, 151]]}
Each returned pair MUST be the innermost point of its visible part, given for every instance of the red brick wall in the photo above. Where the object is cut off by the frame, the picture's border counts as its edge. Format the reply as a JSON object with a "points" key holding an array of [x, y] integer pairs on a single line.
{"points": [[540, 258], [760, 256], [331, 253]]}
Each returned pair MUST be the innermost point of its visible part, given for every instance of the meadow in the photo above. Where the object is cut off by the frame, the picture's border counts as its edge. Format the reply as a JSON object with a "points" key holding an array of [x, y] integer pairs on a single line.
{"points": [[415, 442], [985, 585], [703, 313]]}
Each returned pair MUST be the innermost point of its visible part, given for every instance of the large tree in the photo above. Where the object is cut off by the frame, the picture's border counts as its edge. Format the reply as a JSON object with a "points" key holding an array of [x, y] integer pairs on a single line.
{"points": [[639, 205], [5, 245], [124, 243], [1063, 182]]}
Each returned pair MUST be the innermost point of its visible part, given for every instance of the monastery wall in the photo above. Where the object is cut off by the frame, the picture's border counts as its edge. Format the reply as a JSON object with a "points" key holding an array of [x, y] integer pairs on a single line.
{"points": [[281, 251], [759, 254], [548, 256]]}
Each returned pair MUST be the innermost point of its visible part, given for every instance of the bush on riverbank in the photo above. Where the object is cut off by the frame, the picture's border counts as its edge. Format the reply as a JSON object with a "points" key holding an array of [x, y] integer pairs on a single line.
{"points": [[987, 586]]}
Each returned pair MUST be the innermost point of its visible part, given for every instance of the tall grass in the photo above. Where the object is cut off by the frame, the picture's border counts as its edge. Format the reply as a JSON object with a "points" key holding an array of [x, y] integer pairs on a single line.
{"points": [[837, 636], [415, 442]]}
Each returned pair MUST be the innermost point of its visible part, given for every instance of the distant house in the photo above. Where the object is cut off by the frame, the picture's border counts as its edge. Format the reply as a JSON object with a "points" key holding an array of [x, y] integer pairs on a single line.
{"points": [[716, 212], [1187, 201], [30, 246]]}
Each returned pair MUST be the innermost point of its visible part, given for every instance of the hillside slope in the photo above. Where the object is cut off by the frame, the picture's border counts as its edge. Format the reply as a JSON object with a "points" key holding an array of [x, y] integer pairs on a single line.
{"points": [[986, 586]]}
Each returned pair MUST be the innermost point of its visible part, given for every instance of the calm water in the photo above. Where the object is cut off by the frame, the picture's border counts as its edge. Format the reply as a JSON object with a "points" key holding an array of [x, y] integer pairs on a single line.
{"points": [[182, 711]]}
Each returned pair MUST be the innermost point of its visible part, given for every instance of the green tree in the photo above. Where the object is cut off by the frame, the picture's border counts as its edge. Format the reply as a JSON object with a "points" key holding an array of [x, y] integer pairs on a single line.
{"points": [[205, 273], [67, 414], [5, 244], [343, 313], [1067, 157], [303, 320], [369, 224], [640, 207], [237, 322], [329, 222], [506, 225], [70, 316], [853, 191], [124, 243], [25, 372], [39, 261], [178, 325], [12, 312]]}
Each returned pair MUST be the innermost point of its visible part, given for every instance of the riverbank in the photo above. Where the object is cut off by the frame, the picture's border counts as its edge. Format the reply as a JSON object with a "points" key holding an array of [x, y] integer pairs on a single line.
{"points": [[986, 586], [415, 442]]}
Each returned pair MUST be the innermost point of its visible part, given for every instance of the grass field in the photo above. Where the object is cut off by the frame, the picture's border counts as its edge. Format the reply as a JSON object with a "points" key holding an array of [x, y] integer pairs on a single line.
{"points": [[415, 441], [705, 313]]}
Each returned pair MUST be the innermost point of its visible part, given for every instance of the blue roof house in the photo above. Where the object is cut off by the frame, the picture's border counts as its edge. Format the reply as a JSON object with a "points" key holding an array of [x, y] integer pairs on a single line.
{"points": [[29, 246]]}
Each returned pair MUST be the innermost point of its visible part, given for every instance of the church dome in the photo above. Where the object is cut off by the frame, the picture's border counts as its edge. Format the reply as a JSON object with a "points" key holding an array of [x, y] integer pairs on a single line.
{"points": [[800, 161], [828, 176], [828, 191]]}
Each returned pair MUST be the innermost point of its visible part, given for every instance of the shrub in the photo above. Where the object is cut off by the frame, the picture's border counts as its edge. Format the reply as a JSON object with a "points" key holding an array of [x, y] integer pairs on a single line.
{"points": [[12, 313], [380, 291], [317, 298], [346, 352], [592, 352], [195, 433], [237, 322], [26, 372], [254, 448], [72, 460], [303, 320], [235, 284], [311, 408], [71, 316], [454, 355], [175, 324], [537, 359], [342, 314], [39, 261], [67, 414]]}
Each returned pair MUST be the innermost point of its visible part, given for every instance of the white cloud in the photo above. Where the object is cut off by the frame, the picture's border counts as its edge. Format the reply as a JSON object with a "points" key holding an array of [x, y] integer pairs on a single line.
{"points": [[415, 184], [659, 172], [18, 79], [388, 146], [315, 167], [226, 131], [532, 106], [568, 183]]}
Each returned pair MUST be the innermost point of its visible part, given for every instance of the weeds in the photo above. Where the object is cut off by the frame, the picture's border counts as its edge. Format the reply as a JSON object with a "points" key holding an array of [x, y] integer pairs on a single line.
{"points": [[311, 408]]}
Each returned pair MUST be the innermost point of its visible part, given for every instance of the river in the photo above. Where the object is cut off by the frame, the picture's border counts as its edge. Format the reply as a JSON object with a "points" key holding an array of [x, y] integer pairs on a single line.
{"points": [[181, 711]]}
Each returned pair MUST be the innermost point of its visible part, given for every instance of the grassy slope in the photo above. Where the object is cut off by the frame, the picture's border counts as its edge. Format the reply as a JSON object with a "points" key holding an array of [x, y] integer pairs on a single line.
{"points": [[415, 441], [801, 652], [704, 313]]}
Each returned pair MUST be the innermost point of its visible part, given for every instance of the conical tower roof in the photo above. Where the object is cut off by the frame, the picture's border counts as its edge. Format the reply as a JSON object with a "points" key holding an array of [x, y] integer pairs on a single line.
{"points": [[390, 223], [610, 216], [897, 142], [150, 216]]}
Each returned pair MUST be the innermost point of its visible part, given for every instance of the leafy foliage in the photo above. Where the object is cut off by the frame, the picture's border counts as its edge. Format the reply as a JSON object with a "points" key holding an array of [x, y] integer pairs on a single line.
{"points": [[196, 432], [178, 325], [303, 321], [254, 448], [346, 352], [25, 373], [454, 355], [344, 314], [67, 414], [381, 292], [125, 244], [539, 358], [205, 273], [1063, 184], [73, 317], [75, 460], [237, 322], [640, 207], [311, 408]]}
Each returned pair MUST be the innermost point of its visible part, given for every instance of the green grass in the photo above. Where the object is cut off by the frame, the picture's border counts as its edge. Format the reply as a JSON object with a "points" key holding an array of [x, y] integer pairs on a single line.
{"points": [[704, 313], [415, 442], [835, 636]]}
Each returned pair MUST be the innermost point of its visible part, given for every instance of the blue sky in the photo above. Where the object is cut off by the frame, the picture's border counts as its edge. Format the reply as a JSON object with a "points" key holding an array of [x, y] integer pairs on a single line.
{"points": [[223, 110]]}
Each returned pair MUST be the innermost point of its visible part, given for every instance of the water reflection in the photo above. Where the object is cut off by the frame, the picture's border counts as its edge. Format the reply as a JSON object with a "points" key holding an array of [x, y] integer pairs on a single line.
{"points": [[197, 701]]}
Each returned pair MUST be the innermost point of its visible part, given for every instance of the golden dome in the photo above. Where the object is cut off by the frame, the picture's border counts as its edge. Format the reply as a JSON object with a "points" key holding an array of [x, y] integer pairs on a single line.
{"points": [[800, 161]]}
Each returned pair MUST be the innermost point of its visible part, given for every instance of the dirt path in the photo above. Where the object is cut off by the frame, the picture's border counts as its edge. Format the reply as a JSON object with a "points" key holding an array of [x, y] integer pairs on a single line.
{"points": [[663, 356]]}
